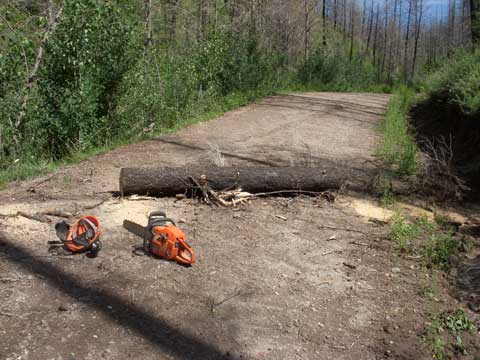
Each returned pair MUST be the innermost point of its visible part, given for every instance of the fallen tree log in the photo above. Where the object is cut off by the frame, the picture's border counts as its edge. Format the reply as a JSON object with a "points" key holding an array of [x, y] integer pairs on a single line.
{"points": [[168, 181]]}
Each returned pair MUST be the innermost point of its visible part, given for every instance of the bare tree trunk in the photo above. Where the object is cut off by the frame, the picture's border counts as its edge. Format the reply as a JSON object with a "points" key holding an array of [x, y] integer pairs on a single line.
{"points": [[306, 30], [147, 11], [475, 21], [407, 37], [451, 26], [392, 40], [364, 17], [398, 38], [375, 35], [385, 40], [51, 26], [370, 25], [232, 10], [173, 24], [324, 21], [417, 36], [352, 20], [335, 14]]}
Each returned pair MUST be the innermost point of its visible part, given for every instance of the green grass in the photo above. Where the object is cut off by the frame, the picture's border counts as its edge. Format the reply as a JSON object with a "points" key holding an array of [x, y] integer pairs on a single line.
{"points": [[458, 82], [398, 147], [432, 243]]}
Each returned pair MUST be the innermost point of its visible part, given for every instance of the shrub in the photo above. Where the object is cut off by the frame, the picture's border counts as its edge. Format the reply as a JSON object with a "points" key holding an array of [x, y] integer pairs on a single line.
{"points": [[458, 82], [332, 69]]}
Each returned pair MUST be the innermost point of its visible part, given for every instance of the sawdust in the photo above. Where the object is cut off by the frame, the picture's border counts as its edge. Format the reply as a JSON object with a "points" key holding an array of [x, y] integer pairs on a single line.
{"points": [[372, 209]]}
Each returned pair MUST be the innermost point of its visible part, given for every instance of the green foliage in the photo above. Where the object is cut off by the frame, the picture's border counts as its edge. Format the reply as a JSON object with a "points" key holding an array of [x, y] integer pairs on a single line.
{"points": [[93, 47], [98, 85], [458, 82], [445, 332], [186, 84], [432, 337], [388, 197], [66, 110], [437, 249], [426, 239], [331, 69], [398, 146], [457, 321], [403, 232]]}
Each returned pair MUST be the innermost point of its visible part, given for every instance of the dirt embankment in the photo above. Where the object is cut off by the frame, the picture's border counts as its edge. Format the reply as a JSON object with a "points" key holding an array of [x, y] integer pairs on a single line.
{"points": [[453, 133]]}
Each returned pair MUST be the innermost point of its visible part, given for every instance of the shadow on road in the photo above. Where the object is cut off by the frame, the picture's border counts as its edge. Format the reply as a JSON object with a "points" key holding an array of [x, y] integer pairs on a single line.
{"points": [[166, 338], [226, 154]]}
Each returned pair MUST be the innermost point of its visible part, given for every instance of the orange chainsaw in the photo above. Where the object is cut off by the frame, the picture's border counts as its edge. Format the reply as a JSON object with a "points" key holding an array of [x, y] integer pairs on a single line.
{"points": [[162, 238]]}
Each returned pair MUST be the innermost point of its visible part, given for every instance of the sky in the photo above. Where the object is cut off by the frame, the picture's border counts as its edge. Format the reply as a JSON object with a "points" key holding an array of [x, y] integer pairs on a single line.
{"points": [[437, 7], [433, 8]]}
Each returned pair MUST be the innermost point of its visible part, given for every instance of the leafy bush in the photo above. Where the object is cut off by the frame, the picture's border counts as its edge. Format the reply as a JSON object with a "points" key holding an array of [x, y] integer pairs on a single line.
{"points": [[66, 110], [332, 69], [93, 47], [458, 82], [98, 85], [184, 84]]}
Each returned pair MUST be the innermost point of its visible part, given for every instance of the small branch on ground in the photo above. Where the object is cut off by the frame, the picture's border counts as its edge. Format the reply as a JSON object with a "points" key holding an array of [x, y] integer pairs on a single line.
{"points": [[93, 206], [342, 229], [33, 217]]}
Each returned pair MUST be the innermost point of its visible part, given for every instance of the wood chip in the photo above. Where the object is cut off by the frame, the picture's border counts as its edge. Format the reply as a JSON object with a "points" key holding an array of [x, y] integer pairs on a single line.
{"points": [[281, 217], [331, 252], [351, 266]]}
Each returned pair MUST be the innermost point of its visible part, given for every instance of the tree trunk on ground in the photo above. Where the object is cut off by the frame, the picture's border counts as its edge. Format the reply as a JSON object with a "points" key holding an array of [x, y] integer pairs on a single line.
{"points": [[169, 181]]}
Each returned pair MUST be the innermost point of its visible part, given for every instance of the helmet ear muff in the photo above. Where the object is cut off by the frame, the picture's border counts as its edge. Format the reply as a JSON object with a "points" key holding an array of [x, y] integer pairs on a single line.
{"points": [[62, 229], [94, 249], [82, 236]]}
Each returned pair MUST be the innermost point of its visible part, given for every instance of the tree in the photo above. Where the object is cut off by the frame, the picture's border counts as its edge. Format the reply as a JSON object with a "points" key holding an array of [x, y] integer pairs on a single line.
{"points": [[147, 6], [475, 21], [418, 27]]}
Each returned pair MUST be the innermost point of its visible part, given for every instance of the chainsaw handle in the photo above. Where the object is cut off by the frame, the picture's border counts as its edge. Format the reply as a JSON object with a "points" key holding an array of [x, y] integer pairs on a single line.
{"points": [[157, 213], [156, 216], [189, 257]]}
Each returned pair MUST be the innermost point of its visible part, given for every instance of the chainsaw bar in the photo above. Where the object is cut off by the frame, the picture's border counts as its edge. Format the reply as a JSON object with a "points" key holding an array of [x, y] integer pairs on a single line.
{"points": [[137, 230]]}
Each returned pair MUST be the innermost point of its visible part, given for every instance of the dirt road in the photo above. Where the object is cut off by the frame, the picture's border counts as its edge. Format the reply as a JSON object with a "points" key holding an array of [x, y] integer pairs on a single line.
{"points": [[278, 278]]}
